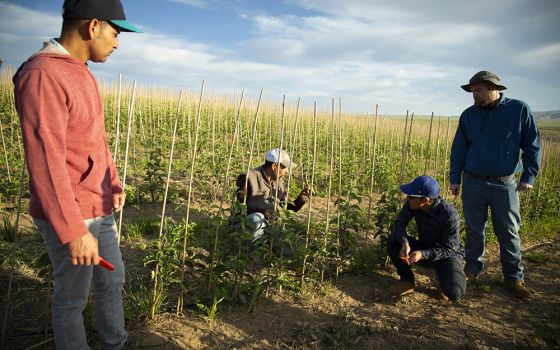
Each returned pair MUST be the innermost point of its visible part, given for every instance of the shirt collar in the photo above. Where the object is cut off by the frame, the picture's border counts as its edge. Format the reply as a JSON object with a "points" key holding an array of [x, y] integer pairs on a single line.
{"points": [[501, 100], [271, 183], [54, 42], [435, 205]]}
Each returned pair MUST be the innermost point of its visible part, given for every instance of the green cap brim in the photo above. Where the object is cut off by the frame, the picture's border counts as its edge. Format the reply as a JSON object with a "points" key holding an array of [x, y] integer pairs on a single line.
{"points": [[126, 26]]}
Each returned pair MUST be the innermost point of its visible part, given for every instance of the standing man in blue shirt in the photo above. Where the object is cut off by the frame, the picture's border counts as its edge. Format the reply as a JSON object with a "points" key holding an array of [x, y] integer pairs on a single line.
{"points": [[491, 138], [438, 243]]}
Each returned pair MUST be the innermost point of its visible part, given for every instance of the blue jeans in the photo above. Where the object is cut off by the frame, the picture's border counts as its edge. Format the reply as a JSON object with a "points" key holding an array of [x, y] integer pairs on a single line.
{"points": [[503, 200], [72, 285], [257, 222]]}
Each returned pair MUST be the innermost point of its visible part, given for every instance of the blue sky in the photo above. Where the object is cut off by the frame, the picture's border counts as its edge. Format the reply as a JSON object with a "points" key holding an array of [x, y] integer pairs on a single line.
{"points": [[402, 55]]}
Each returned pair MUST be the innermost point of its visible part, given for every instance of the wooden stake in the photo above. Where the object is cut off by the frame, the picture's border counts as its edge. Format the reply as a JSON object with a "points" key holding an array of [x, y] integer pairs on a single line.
{"points": [[446, 158], [130, 117], [372, 168], [11, 257], [238, 278], [292, 150], [162, 221], [253, 137], [5, 152], [327, 218], [118, 123], [306, 248], [403, 153], [339, 183], [225, 188], [276, 202], [180, 300], [428, 159], [438, 147]]}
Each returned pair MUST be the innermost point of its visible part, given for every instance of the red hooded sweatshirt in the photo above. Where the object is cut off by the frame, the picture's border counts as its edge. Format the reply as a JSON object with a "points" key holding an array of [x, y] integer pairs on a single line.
{"points": [[72, 175]]}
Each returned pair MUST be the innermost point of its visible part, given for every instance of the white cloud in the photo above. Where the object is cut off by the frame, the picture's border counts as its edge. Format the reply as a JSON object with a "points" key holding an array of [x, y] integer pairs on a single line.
{"points": [[321, 38], [20, 34], [15, 17], [364, 54], [547, 54], [203, 4]]}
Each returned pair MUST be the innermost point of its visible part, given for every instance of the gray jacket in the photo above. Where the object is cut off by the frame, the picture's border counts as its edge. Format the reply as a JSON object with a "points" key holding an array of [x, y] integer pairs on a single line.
{"points": [[261, 193]]}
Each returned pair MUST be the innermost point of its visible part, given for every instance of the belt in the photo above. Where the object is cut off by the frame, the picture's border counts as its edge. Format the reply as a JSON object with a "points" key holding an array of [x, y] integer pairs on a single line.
{"points": [[489, 178]]}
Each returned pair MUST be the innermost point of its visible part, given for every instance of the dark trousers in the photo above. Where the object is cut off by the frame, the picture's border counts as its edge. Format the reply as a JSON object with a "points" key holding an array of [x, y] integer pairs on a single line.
{"points": [[449, 271]]}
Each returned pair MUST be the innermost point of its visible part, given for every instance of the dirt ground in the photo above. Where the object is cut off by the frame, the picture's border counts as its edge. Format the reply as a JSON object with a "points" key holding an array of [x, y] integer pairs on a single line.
{"points": [[353, 312], [356, 312]]}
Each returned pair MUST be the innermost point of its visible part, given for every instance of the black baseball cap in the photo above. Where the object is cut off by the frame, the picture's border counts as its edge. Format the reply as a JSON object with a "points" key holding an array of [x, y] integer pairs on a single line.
{"points": [[104, 10]]}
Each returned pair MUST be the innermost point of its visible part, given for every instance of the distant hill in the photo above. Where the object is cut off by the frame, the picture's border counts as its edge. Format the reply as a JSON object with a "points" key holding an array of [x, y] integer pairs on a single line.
{"points": [[553, 115]]}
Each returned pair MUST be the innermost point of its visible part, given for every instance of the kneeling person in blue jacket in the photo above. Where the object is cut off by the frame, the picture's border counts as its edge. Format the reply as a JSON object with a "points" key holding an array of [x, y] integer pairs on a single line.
{"points": [[438, 243]]}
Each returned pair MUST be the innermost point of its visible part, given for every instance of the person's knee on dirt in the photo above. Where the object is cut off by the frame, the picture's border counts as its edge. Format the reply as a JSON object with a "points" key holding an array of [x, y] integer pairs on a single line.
{"points": [[438, 243], [262, 190], [454, 293], [451, 279]]}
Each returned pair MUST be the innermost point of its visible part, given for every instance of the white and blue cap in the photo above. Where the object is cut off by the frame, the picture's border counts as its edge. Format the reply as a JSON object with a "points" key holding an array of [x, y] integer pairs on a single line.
{"points": [[422, 186], [277, 155], [103, 10]]}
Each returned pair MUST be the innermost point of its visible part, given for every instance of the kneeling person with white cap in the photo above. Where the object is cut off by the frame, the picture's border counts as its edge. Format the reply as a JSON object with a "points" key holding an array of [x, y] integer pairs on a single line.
{"points": [[438, 243], [263, 190]]}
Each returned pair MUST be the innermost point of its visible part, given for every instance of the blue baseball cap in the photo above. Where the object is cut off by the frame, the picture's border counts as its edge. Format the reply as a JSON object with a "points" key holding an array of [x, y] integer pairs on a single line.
{"points": [[422, 186], [106, 10]]}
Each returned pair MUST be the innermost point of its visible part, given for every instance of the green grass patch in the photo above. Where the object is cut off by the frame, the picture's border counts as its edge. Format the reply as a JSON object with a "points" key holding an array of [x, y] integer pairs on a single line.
{"points": [[544, 228]]}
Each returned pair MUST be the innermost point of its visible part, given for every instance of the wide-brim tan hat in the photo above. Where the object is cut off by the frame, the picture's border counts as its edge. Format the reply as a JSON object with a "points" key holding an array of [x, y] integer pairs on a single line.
{"points": [[484, 76]]}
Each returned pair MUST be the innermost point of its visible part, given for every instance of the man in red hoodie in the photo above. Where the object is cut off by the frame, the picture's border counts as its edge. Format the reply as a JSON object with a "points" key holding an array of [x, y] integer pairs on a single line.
{"points": [[73, 181]]}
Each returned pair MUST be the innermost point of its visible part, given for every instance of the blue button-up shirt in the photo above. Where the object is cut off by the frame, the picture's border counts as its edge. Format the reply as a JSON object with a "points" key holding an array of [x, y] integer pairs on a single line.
{"points": [[438, 229], [489, 142]]}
